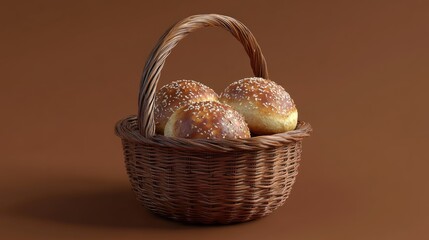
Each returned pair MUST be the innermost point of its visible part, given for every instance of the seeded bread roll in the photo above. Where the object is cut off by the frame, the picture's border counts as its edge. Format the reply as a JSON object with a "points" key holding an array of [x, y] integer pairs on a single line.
{"points": [[176, 94], [209, 120], [266, 106]]}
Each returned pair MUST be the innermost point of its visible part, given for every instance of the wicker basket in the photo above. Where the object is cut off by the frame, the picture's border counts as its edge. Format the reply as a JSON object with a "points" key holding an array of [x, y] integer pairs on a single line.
{"points": [[207, 180]]}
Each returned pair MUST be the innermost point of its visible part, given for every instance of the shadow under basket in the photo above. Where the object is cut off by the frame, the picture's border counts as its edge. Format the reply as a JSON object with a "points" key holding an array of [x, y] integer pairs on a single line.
{"points": [[208, 181]]}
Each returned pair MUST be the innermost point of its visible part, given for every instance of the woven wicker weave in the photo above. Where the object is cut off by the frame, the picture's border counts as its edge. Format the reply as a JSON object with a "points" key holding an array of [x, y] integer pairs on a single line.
{"points": [[207, 180]]}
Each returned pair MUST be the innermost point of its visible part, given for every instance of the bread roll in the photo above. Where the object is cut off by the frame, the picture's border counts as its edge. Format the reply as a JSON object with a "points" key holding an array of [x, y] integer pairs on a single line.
{"points": [[176, 94], [266, 106], [208, 120]]}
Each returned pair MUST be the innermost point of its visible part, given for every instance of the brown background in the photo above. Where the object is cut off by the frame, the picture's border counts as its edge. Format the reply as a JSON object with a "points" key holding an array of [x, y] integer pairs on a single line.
{"points": [[358, 71]]}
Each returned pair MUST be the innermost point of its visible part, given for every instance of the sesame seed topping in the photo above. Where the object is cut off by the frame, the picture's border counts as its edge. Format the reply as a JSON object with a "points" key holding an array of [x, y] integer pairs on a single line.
{"points": [[211, 120], [176, 94], [258, 93]]}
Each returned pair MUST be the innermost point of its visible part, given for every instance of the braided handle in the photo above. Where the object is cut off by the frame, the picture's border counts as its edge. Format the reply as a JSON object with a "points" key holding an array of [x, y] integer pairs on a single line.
{"points": [[156, 60]]}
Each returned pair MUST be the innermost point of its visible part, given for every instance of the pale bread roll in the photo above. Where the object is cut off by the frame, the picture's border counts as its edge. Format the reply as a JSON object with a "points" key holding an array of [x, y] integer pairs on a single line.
{"points": [[265, 105]]}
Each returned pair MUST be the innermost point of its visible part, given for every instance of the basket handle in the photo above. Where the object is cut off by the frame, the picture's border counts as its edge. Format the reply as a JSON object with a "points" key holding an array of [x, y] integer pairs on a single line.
{"points": [[156, 60]]}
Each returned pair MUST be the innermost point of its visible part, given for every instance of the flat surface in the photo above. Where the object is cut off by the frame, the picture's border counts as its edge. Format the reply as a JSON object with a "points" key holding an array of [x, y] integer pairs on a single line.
{"points": [[358, 71]]}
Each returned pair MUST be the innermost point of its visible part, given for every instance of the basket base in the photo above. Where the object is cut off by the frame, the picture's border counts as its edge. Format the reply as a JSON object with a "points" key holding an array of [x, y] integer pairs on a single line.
{"points": [[202, 221]]}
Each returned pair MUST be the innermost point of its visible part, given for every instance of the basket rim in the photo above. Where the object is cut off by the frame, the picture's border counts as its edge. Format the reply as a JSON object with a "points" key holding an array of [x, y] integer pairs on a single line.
{"points": [[127, 129]]}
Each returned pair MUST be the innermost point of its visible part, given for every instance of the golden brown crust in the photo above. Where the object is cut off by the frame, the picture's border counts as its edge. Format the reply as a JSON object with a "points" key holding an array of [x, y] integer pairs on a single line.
{"points": [[265, 105], [176, 94], [209, 120]]}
